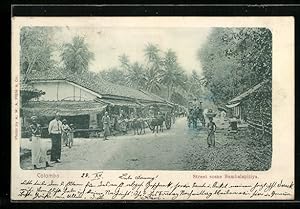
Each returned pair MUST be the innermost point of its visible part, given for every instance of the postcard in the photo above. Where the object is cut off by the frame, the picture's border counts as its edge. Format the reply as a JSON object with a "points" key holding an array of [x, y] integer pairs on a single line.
{"points": [[152, 108]]}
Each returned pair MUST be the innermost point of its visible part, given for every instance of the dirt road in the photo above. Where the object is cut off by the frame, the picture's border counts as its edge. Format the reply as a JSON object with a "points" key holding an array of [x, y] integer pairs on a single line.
{"points": [[163, 151], [179, 148]]}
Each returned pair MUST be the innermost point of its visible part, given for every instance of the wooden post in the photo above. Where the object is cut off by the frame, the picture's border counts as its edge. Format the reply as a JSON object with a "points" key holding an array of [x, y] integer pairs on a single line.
{"points": [[57, 91], [93, 120]]}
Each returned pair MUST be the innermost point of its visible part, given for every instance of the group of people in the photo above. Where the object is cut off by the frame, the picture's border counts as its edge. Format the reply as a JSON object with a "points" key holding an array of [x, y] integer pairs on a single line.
{"points": [[59, 131], [114, 122], [196, 112], [121, 122], [137, 121], [210, 126]]}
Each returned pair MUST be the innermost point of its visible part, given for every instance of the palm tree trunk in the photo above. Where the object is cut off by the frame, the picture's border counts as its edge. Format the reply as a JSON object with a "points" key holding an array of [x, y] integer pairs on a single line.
{"points": [[170, 92], [29, 68]]}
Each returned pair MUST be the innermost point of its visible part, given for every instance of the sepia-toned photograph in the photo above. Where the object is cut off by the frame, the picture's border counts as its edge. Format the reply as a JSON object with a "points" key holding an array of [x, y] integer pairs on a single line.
{"points": [[146, 98], [152, 108]]}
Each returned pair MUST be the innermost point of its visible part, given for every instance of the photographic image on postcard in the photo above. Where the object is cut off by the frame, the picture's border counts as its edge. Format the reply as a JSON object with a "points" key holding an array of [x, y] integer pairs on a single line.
{"points": [[153, 98]]}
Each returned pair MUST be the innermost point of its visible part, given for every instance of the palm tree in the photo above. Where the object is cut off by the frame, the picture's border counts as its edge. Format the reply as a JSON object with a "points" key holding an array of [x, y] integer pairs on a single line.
{"points": [[153, 66], [172, 74], [113, 75], [152, 80], [195, 83], [135, 76], [152, 54], [76, 55], [125, 63], [36, 50]]}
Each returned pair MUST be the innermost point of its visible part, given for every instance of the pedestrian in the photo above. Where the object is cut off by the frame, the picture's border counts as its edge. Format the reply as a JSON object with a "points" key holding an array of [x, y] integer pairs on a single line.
{"points": [[114, 123], [65, 130], [195, 103], [211, 128], [200, 105], [71, 135], [106, 124], [122, 122], [54, 130], [173, 117], [38, 151]]}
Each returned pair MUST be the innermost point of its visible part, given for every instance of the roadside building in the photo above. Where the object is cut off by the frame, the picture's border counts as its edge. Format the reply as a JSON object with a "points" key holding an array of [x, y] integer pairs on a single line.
{"points": [[83, 98], [254, 106], [28, 92], [237, 104]]}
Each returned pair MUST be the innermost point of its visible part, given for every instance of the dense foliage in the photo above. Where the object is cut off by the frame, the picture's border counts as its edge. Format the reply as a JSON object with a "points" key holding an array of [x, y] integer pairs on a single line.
{"points": [[236, 59], [36, 50], [76, 55], [160, 73]]}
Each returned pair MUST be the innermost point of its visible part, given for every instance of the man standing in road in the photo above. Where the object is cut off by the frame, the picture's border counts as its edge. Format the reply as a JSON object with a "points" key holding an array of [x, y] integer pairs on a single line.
{"points": [[55, 133], [106, 124], [211, 132], [195, 103], [211, 127]]}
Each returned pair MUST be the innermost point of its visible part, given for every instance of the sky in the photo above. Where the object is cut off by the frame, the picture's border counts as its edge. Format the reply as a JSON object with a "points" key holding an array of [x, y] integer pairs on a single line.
{"points": [[108, 44]]}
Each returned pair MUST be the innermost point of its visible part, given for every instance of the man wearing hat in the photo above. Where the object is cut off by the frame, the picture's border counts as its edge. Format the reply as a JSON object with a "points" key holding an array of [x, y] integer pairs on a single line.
{"points": [[54, 129], [211, 127]]}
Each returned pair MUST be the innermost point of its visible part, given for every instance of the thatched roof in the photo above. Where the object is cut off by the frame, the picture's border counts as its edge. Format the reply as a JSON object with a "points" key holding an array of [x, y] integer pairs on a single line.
{"points": [[115, 102], [245, 94], [28, 92], [65, 108], [29, 88]]}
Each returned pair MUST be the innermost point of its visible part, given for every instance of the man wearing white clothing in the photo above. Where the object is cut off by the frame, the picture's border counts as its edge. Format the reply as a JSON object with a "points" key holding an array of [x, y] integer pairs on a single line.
{"points": [[55, 133]]}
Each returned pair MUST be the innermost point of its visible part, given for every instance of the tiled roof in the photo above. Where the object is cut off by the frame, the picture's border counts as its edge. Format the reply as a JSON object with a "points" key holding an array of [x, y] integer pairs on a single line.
{"points": [[93, 83], [154, 96]]}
